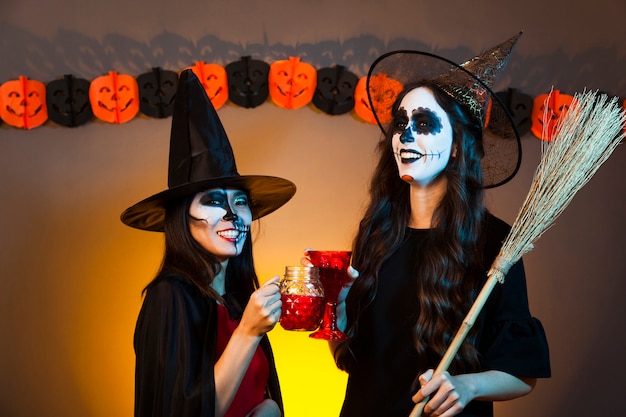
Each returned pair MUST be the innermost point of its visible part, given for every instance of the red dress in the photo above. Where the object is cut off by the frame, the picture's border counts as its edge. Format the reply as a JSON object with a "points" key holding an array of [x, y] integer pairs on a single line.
{"points": [[251, 391]]}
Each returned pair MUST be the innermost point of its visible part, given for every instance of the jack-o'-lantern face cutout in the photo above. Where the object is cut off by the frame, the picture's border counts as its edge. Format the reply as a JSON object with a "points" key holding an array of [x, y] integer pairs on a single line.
{"points": [[519, 107], [114, 97], [68, 101], [335, 90], [23, 103], [248, 82], [157, 90], [383, 92], [362, 103], [214, 80], [292, 83], [548, 110]]}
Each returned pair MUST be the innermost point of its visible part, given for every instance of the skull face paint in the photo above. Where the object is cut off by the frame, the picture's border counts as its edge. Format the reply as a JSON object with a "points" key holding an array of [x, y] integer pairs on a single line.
{"points": [[422, 137], [220, 221]]}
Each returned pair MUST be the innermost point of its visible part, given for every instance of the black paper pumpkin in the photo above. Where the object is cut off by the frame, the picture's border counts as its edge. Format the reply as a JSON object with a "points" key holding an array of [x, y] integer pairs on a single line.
{"points": [[520, 106], [247, 82], [335, 90], [157, 90], [68, 101]]}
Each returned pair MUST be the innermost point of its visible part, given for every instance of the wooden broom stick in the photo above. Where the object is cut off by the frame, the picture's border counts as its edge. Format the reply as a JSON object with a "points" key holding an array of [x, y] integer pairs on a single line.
{"points": [[583, 140]]}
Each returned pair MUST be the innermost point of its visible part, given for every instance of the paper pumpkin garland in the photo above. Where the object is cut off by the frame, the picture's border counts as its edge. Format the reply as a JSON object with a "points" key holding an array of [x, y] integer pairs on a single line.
{"points": [[23, 103], [292, 83], [248, 82], [157, 90], [68, 101], [117, 98], [114, 97]]}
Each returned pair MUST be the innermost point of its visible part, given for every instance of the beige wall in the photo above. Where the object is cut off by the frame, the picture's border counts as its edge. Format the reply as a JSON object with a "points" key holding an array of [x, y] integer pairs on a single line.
{"points": [[71, 274]]}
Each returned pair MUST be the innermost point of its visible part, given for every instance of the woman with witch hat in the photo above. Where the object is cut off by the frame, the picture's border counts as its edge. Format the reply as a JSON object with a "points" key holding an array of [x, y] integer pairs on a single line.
{"points": [[426, 242], [200, 340]]}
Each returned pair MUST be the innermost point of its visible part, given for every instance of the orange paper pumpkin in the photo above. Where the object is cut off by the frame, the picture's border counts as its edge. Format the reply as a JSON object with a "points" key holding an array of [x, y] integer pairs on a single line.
{"points": [[548, 109], [23, 103], [114, 97], [362, 103], [214, 80], [384, 91], [292, 83]]}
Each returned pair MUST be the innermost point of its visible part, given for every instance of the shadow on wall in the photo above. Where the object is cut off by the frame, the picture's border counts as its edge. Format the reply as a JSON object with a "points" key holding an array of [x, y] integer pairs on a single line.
{"points": [[46, 59]]}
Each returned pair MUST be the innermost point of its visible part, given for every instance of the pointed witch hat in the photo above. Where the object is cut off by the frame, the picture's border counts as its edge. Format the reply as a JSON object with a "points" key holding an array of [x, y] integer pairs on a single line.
{"points": [[470, 83], [201, 158]]}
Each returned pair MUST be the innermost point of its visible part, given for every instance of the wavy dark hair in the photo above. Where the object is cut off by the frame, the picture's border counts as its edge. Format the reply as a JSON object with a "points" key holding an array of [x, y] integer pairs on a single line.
{"points": [[450, 274], [186, 257]]}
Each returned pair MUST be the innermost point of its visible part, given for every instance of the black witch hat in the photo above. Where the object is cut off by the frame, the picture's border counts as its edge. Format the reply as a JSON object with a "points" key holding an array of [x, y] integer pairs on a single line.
{"points": [[201, 158], [470, 83]]}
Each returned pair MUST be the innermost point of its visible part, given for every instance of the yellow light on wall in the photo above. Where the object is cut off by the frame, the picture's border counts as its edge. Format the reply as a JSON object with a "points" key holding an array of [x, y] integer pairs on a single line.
{"points": [[310, 382]]}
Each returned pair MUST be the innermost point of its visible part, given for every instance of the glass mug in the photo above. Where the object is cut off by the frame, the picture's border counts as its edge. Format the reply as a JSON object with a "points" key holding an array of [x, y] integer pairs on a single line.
{"points": [[302, 295]]}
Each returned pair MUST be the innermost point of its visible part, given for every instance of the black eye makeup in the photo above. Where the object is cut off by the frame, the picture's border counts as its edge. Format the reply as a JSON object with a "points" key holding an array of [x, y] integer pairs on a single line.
{"points": [[425, 121], [400, 120], [219, 198], [213, 198]]}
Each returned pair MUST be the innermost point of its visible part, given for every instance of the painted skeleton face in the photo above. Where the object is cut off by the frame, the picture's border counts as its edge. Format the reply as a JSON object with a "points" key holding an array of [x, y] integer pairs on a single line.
{"points": [[220, 221], [422, 138]]}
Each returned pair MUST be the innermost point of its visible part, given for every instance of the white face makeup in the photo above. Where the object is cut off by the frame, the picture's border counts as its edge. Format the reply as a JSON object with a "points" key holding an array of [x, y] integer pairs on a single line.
{"points": [[423, 137], [220, 221]]}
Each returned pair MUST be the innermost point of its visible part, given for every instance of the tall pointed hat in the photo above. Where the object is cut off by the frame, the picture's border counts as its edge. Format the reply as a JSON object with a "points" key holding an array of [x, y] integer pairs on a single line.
{"points": [[470, 84], [201, 157]]}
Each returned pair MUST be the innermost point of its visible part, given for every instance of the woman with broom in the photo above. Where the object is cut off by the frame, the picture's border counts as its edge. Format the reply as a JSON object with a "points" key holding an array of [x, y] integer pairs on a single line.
{"points": [[426, 242]]}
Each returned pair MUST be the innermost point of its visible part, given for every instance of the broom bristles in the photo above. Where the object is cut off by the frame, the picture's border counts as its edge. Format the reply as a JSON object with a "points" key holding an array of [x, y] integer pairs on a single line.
{"points": [[583, 140]]}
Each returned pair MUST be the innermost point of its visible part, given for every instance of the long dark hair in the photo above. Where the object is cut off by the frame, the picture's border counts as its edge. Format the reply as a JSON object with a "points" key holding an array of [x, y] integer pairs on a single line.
{"points": [[449, 276], [184, 256]]}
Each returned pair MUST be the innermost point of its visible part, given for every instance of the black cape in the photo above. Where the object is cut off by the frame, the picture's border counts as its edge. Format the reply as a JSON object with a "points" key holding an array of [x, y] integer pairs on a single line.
{"points": [[175, 340]]}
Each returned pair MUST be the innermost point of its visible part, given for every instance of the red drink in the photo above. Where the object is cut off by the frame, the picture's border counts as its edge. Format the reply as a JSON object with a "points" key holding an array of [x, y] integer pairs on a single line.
{"points": [[301, 312], [333, 280]]}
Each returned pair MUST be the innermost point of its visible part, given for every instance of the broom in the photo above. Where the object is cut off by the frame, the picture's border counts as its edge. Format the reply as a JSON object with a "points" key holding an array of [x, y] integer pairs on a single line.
{"points": [[585, 137]]}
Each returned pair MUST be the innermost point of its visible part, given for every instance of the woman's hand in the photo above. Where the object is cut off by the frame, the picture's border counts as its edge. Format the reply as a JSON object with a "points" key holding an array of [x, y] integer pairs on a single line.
{"points": [[451, 394], [448, 395], [263, 309], [268, 408]]}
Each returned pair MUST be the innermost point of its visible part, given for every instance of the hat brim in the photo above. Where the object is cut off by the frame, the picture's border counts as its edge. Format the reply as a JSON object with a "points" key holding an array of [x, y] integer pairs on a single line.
{"points": [[501, 141], [266, 194]]}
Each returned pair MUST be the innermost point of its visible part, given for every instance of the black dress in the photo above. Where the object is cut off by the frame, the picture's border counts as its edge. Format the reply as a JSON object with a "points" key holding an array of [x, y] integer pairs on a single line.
{"points": [[175, 344], [382, 376]]}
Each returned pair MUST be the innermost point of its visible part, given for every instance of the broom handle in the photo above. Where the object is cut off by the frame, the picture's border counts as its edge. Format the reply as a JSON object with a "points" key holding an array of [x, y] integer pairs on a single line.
{"points": [[468, 322]]}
